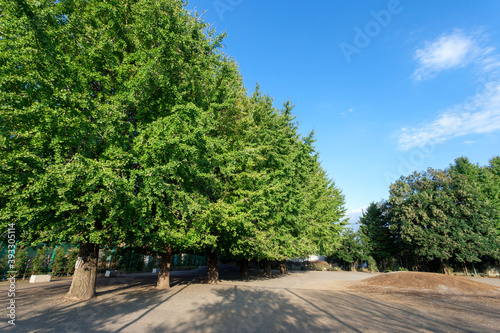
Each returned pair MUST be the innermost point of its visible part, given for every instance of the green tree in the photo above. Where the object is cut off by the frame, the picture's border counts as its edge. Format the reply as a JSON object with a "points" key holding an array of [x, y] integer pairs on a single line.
{"points": [[22, 261], [375, 225], [322, 207], [492, 188], [41, 260], [80, 82], [280, 202], [124, 123], [184, 158], [486, 178], [444, 217], [351, 251], [59, 261]]}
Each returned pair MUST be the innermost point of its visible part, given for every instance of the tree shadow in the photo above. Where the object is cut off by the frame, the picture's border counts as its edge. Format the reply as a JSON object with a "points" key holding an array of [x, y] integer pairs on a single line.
{"points": [[114, 309], [133, 304], [403, 312], [248, 309]]}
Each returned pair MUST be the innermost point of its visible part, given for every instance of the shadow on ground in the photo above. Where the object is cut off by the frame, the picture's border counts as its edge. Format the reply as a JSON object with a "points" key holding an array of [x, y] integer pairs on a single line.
{"points": [[300, 310], [132, 304]]}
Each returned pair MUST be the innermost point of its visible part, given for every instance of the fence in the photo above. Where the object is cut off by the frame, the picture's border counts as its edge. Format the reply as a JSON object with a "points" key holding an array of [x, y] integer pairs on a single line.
{"points": [[60, 260]]}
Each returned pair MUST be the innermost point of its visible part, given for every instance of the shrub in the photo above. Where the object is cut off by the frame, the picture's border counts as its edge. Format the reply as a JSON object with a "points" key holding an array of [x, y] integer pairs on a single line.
{"points": [[372, 264], [72, 257], [41, 261], [60, 262]]}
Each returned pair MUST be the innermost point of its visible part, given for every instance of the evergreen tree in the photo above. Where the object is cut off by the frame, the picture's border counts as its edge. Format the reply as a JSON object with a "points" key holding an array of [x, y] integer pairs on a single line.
{"points": [[59, 261], [41, 261], [380, 240]]}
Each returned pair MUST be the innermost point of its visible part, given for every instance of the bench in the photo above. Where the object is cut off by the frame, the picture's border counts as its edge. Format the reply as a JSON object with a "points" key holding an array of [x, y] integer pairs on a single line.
{"points": [[40, 278]]}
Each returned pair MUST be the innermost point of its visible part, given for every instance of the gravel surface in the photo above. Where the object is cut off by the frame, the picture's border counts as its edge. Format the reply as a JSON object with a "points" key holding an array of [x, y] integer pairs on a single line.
{"points": [[299, 302]]}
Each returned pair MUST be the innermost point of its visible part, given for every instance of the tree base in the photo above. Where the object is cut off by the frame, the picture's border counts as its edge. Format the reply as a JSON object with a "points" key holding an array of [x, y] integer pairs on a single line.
{"points": [[163, 282], [244, 270], [83, 285], [267, 267], [283, 267], [213, 268]]}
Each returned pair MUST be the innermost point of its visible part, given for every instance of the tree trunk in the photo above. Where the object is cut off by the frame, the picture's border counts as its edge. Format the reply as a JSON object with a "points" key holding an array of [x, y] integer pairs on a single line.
{"points": [[353, 266], [213, 269], [283, 268], [164, 274], [84, 279], [445, 266], [244, 269], [267, 267], [466, 271]]}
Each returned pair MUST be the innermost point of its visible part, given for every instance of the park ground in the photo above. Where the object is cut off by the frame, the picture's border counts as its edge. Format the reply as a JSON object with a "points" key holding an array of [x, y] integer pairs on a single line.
{"points": [[303, 301]]}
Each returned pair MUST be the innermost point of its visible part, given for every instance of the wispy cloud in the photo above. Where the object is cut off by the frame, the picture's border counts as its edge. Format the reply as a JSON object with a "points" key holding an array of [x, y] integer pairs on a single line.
{"points": [[446, 52], [481, 115]]}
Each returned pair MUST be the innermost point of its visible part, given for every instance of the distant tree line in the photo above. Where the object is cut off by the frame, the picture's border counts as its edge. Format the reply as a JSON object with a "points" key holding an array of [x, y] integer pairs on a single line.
{"points": [[122, 123], [436, 220]]}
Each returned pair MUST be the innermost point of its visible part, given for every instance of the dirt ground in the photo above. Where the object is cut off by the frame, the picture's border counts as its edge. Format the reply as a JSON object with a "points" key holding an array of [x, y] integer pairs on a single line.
{"points": [[303, 301], [427, 283]]}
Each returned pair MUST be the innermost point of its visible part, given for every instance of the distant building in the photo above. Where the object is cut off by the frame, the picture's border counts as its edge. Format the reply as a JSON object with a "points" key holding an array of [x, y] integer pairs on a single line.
{"points": [[312, 257]]}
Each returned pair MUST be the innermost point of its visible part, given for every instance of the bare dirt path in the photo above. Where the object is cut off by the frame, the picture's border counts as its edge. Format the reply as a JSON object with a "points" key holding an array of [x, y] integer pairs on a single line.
{"points": [[299, 302]]}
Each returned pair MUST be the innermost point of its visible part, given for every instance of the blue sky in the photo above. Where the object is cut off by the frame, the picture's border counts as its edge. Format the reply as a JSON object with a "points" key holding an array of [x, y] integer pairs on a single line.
{"points": [[389, 87]]}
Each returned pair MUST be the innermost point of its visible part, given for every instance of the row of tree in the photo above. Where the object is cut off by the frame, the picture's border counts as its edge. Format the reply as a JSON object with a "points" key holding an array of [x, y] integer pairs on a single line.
{"points": [[122, 123], [437, 219]]}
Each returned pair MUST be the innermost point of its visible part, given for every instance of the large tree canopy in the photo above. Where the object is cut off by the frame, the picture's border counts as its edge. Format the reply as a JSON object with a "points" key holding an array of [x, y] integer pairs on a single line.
{"points": [[122, 123], [81, 82], [486, 178], [444, 217]]}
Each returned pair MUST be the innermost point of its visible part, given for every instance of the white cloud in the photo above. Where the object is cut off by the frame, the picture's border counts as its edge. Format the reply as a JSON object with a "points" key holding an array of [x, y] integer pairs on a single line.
{"points": [[448, 51], [354, 215], [481, 115], [489, 63]]}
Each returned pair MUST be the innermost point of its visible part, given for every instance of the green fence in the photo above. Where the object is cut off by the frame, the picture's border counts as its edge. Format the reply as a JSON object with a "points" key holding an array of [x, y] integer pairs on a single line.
{"points": [[60, 260]]}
